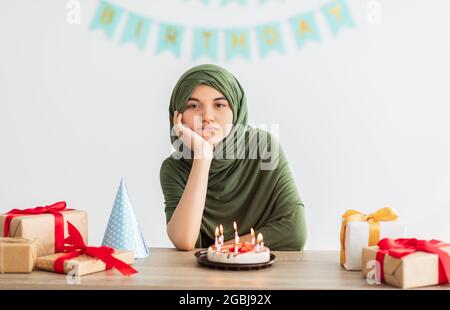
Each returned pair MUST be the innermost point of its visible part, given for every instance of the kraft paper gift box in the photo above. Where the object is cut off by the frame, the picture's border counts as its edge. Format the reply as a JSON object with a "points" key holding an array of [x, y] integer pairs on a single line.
{"points": [[17, 255], [413, 270], [42, 227], [83, 264], [359, 230], [84, 259]]}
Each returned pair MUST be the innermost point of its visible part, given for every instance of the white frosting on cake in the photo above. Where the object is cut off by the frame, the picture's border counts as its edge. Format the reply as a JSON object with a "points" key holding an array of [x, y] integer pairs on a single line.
{"points": [[250, 257]]}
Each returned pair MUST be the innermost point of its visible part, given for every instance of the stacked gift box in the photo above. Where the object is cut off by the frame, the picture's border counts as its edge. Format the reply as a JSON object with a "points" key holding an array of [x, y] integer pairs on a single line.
{"points": [[54, 238], [408, 262], [375, 243], [359, 230]]}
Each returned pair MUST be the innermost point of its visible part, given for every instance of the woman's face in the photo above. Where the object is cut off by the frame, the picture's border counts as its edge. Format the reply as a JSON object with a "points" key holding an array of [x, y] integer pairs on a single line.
{"points": [[209, 114]]}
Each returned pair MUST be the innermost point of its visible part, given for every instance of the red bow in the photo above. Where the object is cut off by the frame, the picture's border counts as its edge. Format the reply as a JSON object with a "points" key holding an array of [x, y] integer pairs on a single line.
{"points": [[53, 209], [77, 247], [401, 247]]}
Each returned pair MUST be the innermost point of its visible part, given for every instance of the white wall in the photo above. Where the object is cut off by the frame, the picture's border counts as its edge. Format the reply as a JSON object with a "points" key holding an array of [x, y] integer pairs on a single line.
{"points": [[363, 116]]}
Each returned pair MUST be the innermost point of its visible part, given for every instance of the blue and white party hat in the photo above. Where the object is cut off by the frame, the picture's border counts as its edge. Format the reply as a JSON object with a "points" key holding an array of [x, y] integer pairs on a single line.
{"points": [[123, 230]]}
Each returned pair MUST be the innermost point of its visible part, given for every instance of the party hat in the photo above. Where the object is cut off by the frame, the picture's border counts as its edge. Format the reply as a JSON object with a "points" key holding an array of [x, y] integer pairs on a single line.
{"points": [[123, 230]]}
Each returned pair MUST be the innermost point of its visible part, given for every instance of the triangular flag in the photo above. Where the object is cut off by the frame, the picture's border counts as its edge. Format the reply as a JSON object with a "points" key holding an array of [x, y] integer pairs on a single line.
{"points": [[123, 230]]}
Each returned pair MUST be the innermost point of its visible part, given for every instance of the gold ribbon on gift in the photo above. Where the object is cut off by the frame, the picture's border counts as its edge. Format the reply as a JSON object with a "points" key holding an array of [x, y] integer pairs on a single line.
{"points": [[374, 219]]}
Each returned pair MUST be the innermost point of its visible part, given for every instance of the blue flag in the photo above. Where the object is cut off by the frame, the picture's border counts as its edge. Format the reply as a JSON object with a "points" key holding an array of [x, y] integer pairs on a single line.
{"points": [[337, 15], [269, 38], [136, 30], [305, 28], [237, 42], [170, 38], [107, 18], [205, 43], [226, 2]]}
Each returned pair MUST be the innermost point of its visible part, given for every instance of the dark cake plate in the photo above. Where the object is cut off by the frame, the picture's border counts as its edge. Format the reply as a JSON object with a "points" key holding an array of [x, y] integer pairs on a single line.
{"points": [[202, 258]]}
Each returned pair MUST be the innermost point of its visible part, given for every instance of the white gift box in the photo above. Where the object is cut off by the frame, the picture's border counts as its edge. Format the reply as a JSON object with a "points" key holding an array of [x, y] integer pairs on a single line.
{"points": [[357, 238]]}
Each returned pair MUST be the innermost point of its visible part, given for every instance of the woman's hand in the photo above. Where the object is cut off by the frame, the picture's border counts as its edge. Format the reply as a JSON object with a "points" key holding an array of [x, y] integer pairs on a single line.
{"points": [[202, 149]]}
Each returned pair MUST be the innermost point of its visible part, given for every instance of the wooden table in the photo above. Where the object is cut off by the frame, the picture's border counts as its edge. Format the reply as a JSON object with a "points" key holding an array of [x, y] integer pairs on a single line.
{"points": [[171, 269]]}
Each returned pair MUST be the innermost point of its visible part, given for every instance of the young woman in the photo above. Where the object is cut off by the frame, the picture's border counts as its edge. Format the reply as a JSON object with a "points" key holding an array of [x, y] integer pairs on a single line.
{"points": [[224, 170]]}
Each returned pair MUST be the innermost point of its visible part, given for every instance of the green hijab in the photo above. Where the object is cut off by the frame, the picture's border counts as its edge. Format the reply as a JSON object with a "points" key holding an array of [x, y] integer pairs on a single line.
{"points": [[249, 179]]}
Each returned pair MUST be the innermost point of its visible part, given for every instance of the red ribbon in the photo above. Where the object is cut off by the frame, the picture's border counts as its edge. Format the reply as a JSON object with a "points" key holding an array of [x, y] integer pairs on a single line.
{"points": [[54, 209], [401, 247], [77, 247]]}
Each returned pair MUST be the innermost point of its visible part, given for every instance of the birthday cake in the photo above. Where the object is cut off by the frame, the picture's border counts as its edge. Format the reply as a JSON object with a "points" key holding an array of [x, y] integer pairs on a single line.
{"points": [[239, 252], [246, 254]]}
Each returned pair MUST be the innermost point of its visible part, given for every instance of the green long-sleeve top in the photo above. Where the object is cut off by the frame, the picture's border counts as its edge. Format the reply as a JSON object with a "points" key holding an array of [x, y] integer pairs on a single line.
{"points": [[267, 200]]}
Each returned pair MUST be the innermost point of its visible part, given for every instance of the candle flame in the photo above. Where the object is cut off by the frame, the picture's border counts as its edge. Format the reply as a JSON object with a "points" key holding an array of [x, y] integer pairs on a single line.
{"points": [[234, 225], [252, 232], [221, 229], [217, 232], [260, 238]]}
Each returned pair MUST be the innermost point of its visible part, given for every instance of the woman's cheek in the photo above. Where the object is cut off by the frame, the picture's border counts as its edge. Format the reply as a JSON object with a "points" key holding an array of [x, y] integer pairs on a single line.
{"points": [[188, 120]]}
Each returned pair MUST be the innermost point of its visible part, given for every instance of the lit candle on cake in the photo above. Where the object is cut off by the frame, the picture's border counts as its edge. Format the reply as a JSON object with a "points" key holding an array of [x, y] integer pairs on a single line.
{"points": [[252, 232], [259, 242], [221, 235], [236, 238], [216, 243], [236, 249]]}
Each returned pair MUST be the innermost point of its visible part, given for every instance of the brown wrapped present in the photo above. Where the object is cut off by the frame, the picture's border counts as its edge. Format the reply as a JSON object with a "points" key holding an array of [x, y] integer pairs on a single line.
{"points": [[84, 259], [17, 255], [44, 224], [83, 264], [407, 263]]}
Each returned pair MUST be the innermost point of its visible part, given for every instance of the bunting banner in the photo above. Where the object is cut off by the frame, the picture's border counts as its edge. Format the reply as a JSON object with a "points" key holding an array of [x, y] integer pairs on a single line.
{"points": [[236, 42], [227, 2]]}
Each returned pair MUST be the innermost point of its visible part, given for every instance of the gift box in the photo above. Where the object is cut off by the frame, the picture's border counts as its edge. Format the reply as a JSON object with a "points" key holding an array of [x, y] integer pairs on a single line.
{"points": [[47, 225], [84, 259], [17, 255], [83, 264], [407, 263], [359, 230]]}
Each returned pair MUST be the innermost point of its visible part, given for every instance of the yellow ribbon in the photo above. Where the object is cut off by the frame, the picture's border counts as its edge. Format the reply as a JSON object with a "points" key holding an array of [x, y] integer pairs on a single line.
{"points": [[383, 214]]}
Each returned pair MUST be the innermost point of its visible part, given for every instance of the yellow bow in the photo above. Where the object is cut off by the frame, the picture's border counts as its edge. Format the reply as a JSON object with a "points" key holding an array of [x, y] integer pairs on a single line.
{"points": [[383, 214]]}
